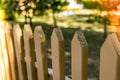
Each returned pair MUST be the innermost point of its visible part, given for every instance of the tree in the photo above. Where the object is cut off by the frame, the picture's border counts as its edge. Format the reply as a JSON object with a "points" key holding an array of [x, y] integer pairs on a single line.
{"points": [[112, 8], [26, 8], [54, 5], [110, 4]]}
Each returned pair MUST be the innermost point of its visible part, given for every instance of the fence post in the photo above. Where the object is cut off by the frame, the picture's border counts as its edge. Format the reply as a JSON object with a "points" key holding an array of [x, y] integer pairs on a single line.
{"points": [[79, 49], [12, 58], [110, 59], [41, 56], [58, 56], [18, 41], [29, 52], [4, 53]]}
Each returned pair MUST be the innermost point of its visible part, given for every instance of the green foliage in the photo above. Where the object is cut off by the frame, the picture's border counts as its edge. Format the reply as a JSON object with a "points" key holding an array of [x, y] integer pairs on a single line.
{"points": [[54, 5], [25, 6], [91, 4], [8, 6]]}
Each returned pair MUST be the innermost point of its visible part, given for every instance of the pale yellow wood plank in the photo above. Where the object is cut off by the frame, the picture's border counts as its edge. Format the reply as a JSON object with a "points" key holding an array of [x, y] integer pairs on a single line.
{"points": [[79, 55], [116, 43], [29, 52], [58, 56], [2, 66], [5, 53], [109, 59], [41, 56], [12, 57], [18, 41]]}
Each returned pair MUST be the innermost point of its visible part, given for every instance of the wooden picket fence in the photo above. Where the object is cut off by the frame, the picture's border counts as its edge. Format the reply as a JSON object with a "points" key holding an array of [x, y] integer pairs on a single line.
{"points": [[23, 55]]}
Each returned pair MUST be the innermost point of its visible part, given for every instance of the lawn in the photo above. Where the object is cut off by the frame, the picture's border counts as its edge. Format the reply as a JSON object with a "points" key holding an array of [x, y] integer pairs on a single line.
{"points": [[93, 32]]}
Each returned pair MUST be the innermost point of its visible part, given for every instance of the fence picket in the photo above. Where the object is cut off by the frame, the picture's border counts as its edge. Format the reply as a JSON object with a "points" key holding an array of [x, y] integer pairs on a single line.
{"points": [[2, 66], [29, 52], [110, 59], [58, 56], [12, 58], [17, 35], [79, 49], [41, 56], [5, 53]]}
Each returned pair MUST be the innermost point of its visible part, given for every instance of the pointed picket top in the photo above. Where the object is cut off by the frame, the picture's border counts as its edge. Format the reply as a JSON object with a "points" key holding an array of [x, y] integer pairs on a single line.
{"points": [[28, 30], [39, 37], [58, 55], [79, 36], [8, 27], [38, 32], [18, 42], [12, 57], [17, 33], [41, 56], [57, 34], [79, 55], [29, 52], [27, 34], [109, 59]]}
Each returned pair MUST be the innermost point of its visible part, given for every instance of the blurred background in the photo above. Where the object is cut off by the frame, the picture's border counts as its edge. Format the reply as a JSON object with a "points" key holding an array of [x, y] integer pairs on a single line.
{"points": [[96, 18]]}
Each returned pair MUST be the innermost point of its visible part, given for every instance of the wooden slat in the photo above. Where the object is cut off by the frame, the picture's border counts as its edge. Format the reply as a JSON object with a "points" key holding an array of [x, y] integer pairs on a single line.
{"points": [[5, 53], [118, 42], [12, 58], [58, 56], [29, 52], [2, 66], [17, 35], [41, 56], [79, 55], [110, 59]]}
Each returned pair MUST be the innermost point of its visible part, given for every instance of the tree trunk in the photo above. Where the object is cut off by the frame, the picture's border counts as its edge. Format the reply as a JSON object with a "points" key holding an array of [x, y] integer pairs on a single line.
{"points": [[54, 19]]}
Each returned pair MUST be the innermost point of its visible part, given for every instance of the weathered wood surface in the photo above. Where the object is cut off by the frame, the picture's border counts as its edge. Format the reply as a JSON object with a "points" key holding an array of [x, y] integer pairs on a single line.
{"points": [[41, 56], [18, 41], [58, 56], [110, 59], [29, 52], [10, 47], [79, 55]]}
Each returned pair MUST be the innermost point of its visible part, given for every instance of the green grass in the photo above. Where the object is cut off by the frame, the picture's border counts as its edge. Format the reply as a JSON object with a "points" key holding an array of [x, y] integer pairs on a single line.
{"points": [[93, 33]]}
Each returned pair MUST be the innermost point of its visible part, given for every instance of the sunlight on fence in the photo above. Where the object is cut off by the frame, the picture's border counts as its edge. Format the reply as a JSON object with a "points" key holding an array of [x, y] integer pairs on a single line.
{"points": [[4, 56], [23, 55]]}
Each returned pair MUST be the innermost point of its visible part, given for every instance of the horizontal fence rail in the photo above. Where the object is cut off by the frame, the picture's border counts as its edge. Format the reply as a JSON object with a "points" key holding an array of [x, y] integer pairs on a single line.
{"points": [[23, 55]]}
